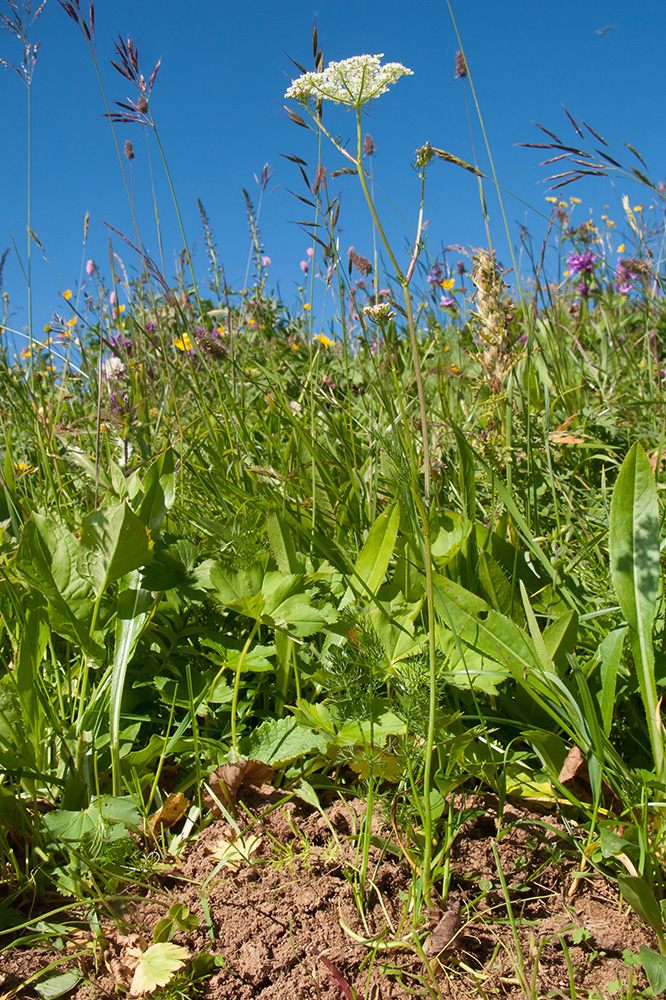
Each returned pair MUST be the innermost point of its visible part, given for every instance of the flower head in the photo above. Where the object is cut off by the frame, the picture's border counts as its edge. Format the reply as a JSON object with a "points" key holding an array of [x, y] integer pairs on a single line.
{"points": [[581, 263], [380, 313], [353, 81]]}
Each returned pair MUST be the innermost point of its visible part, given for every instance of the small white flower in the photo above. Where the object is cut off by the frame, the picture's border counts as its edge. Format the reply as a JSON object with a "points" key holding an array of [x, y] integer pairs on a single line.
{"points": [[353, 81], [113, 368], [381, 313]]}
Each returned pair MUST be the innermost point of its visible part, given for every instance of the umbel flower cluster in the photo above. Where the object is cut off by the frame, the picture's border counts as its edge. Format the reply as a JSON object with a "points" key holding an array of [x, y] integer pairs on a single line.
{"points": [[353, 81]]}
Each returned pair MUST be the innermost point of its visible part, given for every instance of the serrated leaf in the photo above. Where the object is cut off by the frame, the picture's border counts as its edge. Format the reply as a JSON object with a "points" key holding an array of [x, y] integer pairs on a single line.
{"points": [[280, 741], [156, 966]]}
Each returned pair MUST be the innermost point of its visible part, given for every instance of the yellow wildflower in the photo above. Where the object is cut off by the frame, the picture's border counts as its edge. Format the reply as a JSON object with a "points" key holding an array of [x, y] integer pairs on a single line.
{"points": [[68, 294], [323, 339], [551, 200], [621, 248], [448, 284], [73, 321], [575, 201], [183, 343]]}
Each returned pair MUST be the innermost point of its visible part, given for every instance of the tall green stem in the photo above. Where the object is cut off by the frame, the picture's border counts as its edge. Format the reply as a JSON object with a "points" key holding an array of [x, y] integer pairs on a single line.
{"points": [[422, 502]]}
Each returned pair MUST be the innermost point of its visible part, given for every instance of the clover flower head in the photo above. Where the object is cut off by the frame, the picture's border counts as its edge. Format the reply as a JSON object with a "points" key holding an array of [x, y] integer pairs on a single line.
{"points": [[353, 81]]}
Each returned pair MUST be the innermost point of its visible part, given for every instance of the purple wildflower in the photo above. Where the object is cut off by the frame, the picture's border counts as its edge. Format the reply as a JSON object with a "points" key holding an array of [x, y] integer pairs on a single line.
{"points": [[581, 263]]}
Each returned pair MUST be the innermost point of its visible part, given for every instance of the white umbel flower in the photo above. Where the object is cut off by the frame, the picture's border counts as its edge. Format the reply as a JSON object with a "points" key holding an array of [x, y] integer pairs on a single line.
{"points": [[353, 81]]}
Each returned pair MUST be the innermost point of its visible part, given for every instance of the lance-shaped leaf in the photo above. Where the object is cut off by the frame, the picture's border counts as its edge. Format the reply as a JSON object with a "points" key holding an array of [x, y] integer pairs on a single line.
{"points": [[374, 557], [635, 568]]}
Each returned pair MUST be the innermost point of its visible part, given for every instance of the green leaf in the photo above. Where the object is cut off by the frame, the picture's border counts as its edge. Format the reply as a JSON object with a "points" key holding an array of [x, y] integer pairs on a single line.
{"points": [[282, 544], [635, 570], [610, 651], [34, 638], [281, 741], [164, 929], [65, 824], [186, 920], [57, 986], [496, 587], [134, 606], [466, 474], [113, 542], [482, 628], [641, 898], [157, 966], [374, 557], [560, 637], [159, 491], [48, 557], [654, 965]]}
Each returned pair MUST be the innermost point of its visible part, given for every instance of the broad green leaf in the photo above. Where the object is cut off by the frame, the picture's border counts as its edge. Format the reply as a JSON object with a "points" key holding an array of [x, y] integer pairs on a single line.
{"points": [[491, 633], [281, 741], [157, 966], [466, 668], [497, 589], [298, 617], [654, 965], [12, 732], [186, 920], [374, 557], [634, 543], [72, 825], [560, 637], [113, 542], [158, 491], [48, 557], [34, 638], [317, 716], [641, 898], [635, 570], [239, 591]]}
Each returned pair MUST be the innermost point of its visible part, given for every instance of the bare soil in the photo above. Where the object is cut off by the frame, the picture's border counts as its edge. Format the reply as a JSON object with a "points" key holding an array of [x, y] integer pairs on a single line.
{"points": [[286, 924]]}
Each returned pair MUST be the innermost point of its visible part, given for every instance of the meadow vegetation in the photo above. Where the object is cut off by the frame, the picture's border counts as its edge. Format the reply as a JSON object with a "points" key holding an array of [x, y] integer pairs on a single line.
{"points": [[408, 555]]}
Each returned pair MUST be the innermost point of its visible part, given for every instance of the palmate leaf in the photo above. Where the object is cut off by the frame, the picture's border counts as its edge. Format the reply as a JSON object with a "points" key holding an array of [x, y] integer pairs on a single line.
{"points": [[157, 966]]}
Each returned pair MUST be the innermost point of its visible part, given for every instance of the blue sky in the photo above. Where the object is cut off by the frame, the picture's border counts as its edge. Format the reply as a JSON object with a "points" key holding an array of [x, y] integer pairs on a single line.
{"points": [[217, 102]]}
